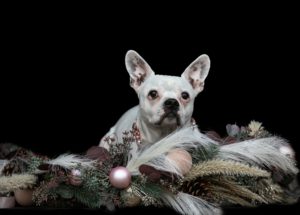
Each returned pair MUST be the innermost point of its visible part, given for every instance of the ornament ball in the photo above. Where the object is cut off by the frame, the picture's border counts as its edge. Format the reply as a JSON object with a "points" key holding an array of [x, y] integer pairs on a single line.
{"points": [[182, 159], [120, 177], [24, 197], [74, 177], [287, 151]]}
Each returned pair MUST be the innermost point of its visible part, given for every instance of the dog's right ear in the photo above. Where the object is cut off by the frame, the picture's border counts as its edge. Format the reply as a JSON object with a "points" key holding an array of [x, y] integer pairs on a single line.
{"points": [[137, 68]]}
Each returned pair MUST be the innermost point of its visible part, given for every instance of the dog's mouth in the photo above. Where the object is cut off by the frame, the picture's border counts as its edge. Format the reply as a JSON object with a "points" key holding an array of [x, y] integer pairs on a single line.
{"points": [[169, 116]]}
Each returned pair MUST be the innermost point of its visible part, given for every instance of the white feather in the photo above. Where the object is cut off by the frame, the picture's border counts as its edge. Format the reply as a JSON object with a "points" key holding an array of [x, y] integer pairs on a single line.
{"points": [[2, 165], [70, 161], [190, 205], [154, 155], [262, 152]]}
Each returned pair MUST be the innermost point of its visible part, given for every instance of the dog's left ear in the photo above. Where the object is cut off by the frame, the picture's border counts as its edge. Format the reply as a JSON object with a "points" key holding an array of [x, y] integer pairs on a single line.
{"points": [[138, 69], [197, 72]]}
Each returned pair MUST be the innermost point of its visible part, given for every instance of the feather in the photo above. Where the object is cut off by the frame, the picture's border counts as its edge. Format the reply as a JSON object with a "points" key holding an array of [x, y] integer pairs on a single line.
{"points": [[188, 204], [2, 165], [70, 161], [186, 138], [262, 152]]}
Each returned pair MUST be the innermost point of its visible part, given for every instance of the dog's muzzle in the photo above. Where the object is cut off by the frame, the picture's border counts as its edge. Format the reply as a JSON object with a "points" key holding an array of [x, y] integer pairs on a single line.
{"points": [[171, 108], [171, 105]]}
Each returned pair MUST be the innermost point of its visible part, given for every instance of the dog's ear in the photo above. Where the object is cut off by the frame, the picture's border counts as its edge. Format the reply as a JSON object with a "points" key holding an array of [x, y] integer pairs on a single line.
{"points": [[197, 72], [137, 68]]}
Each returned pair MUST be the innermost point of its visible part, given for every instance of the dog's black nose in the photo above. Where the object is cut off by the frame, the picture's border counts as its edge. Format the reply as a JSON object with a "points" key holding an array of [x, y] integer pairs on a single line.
{"points": [[171, 104]]}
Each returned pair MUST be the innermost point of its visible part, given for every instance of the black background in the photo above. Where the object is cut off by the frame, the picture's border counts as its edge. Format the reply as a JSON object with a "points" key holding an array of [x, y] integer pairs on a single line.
{"points": [[63, 81]]}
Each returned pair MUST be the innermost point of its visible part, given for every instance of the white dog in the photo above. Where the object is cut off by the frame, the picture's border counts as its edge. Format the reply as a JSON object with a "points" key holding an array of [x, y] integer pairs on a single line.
{"points": [[165, 102]]}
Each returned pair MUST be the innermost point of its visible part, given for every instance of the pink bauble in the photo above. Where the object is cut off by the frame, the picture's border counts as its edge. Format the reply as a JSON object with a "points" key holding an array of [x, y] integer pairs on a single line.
{"points": [[24, 197], [287, 151], [120, 177], [7, 202], [182, 159], [75, 172], [74, 177]]}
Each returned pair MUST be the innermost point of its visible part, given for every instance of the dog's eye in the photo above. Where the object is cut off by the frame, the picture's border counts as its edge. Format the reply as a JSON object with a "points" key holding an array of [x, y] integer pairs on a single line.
{"points": [[153, 94], [185, 95]]}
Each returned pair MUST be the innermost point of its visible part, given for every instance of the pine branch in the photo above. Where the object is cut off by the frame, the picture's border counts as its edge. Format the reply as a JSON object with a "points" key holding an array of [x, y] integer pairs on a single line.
{"points": [[150, 193], [201, 153], [88, 198], [43, 193], [33, 164], [64, 191], [221, 167]]}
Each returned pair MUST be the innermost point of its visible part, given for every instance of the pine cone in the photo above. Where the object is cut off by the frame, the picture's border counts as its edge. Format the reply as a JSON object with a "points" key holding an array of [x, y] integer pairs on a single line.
{"points": [[155, 175], [200, 188], [10, 168]]}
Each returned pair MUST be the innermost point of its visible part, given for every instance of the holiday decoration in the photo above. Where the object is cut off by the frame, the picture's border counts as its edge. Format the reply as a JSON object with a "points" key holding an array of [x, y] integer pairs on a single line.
{"points": [[24, 197], [120, 177], [7, 201], [191, 172], [74, 177], [182, 159]]}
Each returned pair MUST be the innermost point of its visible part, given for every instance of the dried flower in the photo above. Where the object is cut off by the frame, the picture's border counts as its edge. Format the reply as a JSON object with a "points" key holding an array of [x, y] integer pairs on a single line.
{"points": [[232, 130], [255, 128]]}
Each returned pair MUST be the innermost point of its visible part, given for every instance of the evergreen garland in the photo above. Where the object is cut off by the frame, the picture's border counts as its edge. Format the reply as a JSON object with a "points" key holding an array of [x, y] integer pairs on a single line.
{"points": [[217, 181]]}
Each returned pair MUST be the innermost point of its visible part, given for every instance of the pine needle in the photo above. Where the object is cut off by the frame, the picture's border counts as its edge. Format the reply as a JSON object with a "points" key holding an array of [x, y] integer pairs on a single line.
{"points": [[221, 167], [201, 154]]}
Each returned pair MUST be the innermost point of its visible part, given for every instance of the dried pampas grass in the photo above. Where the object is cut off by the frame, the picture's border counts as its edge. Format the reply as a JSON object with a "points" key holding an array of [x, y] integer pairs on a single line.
{"points": [[15, 182], [221, 167]]}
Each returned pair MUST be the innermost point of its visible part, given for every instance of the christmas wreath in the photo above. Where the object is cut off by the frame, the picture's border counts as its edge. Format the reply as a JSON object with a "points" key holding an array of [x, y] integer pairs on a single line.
{"points": [[191, 172]]}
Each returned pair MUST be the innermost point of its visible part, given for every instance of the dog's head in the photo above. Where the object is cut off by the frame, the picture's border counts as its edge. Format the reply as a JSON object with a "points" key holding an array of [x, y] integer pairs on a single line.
{"points": [[166, 100]]}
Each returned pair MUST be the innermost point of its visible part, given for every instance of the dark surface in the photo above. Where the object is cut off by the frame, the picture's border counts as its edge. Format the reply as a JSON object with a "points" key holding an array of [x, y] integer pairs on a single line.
{"points": [[294, 209], [64, 83]]}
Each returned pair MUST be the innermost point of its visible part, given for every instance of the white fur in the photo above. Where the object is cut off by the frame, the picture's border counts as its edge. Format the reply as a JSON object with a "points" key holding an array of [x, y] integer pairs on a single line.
{"points": [[262, 152], [70, 161], [149, 114], [197, 72]]}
